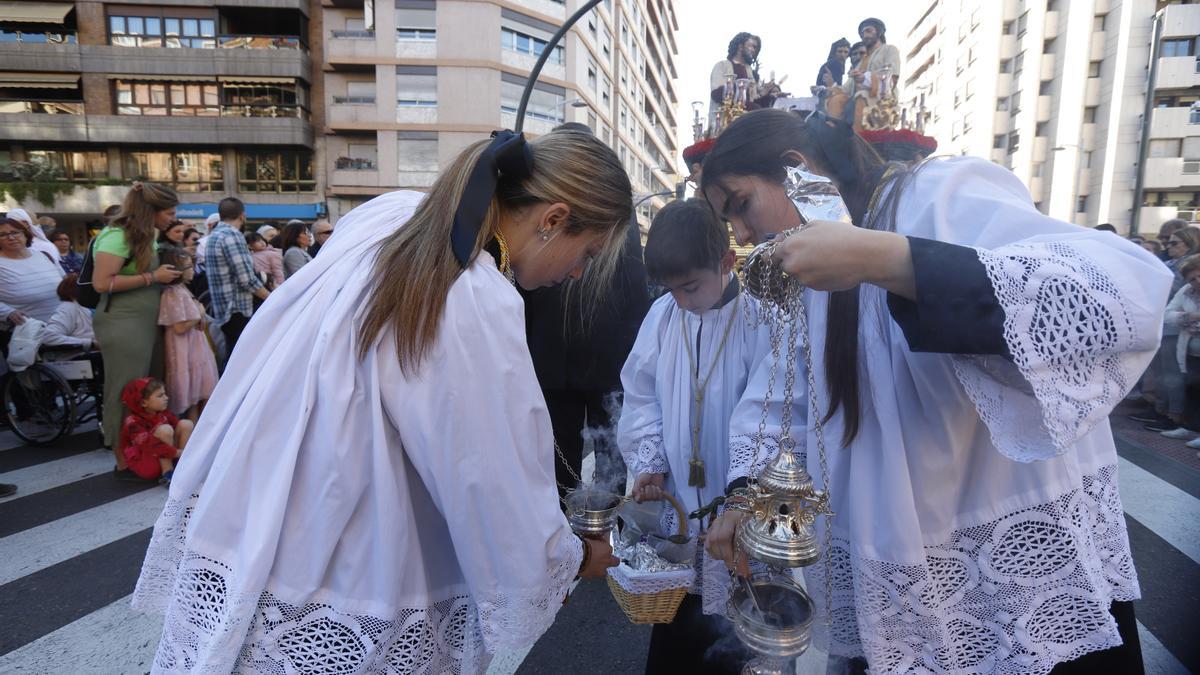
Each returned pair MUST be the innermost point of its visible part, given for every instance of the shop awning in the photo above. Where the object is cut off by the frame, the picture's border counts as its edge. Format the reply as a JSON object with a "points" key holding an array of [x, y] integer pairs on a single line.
{"points": [[34, 12], [39, 80], [198, 211]]}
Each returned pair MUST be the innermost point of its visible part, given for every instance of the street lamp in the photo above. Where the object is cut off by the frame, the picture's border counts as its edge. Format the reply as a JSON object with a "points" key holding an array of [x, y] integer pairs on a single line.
{"points": [[574, 103]]}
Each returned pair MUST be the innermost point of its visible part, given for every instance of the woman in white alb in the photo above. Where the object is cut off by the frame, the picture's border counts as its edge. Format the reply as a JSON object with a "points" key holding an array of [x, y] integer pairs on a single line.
{"points": [[969, 350], [371, 487]]}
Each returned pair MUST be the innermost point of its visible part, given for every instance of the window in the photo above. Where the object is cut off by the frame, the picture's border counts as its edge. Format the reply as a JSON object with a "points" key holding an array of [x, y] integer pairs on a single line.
{"points": [[1089, 115], [1191, 148], [71, 165], [1167, 148], [1010, 28], [998, 141], [1094, 68], [416, 24], [152, 29], [1098, 22], [185, 99], [1194, 114], [1042, 129], [416, 87], [527, 44], [1038, 169], [417, 151], [1178, 47], [361, 92], [263, 99], [1006, 65], [1046, 88], [1081, 204], [1048, 46], [545, 103], [1014, 141], [276, 171], [358, 157], [1022, 24], [185, 171], [1014, 104], [1018, 63], [592, 69]]}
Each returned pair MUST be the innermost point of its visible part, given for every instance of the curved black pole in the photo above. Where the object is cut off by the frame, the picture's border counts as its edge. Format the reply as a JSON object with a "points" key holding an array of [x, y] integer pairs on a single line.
{"points": [[537, 67]]}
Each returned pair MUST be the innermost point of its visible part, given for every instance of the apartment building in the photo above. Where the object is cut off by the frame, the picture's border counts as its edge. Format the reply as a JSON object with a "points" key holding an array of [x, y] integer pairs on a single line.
{"points": [[407, 84], [1171, 185], [1056, 91], [210, 96]]}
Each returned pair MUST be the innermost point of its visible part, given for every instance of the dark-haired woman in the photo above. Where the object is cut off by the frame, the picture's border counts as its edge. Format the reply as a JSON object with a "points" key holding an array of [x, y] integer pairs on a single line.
{"points": [[967, 351], [130, 279], [398, 513], [294, 243]]}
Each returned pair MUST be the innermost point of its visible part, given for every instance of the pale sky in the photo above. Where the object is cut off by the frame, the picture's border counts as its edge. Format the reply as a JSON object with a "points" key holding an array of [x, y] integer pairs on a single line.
{"points": [[796, 38]]}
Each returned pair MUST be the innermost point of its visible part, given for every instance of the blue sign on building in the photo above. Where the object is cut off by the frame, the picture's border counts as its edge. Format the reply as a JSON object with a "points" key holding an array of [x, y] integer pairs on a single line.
{"points": [[255, 211]]}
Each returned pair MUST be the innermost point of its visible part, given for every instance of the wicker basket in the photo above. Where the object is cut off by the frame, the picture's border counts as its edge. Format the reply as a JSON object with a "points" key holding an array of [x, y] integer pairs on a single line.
{"points": [[657, 607]]}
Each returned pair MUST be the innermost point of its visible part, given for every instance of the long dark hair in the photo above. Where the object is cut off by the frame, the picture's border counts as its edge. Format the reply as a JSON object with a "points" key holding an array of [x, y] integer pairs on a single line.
{"points": [[736, 43], [753, 146]]}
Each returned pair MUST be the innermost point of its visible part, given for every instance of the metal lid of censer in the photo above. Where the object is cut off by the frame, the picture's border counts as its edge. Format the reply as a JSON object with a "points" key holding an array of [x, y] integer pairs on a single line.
{"points": [[780, 530]]}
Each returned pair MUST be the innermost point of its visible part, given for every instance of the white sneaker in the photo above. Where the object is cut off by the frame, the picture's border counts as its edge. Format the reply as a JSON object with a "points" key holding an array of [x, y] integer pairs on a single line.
{"points": [[1178, 432], [1194, 444]]}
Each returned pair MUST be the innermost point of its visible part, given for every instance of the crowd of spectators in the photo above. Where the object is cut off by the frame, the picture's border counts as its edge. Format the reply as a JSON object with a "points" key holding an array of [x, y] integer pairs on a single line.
{"points": [[174, 296]]}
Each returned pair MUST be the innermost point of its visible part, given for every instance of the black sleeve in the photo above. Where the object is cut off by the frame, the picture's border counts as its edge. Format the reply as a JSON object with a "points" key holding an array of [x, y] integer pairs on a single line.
{"points": [[956, 311]]}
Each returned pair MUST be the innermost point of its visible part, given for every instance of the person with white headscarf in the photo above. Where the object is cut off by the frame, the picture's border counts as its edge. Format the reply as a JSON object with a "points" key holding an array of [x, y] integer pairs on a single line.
{"points": [[371, 486], [40, 241], [966, 352]]}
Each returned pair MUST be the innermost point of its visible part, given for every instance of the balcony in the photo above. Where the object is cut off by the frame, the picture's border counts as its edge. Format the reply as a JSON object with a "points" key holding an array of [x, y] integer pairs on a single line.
{"points": [[119, 129], [1099, 45], [1045, 107], [352, 115], [1052, 19], [1173, 123], [42, 107], [40, 56], [166, 61], [1091, 92], [1167, 173], [1049, 65], [1175, 72], [351, 47], [354, 172]]}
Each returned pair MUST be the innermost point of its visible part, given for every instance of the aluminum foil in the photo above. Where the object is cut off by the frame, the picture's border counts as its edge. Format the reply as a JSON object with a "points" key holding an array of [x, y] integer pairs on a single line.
{"points": [[815, 197], [641, 557]]}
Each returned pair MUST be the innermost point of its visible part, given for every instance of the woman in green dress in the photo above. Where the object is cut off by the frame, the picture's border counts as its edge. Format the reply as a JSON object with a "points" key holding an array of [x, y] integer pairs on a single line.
{"points": [[128, 276]]}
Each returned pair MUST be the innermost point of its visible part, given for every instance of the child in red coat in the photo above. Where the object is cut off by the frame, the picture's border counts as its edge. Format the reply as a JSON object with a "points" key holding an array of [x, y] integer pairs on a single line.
{"points": [[152, 438]]}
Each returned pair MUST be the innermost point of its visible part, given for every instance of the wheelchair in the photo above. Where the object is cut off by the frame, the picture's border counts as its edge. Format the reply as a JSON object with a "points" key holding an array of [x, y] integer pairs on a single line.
{"points": [[45, 402]]}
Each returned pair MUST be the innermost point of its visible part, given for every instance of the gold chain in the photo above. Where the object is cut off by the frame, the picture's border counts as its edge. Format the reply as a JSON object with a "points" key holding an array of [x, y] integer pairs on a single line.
{"points": [[505, 264]]}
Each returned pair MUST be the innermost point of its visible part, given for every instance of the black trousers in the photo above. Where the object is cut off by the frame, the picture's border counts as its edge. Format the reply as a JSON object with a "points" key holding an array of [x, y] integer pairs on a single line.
{"points": [[571, 411], [232, 330], [695, 643], [1125, 659]]}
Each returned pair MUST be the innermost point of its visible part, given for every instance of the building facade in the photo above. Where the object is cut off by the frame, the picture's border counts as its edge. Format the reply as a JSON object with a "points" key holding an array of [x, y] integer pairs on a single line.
{"points": [[410, 83], [1056, 90], [201, 95]]}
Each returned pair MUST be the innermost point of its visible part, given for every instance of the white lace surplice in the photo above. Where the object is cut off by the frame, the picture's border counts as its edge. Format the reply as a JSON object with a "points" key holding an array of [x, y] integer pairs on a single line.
{"points": [[978, 525], [332, 514], [655, 429]]}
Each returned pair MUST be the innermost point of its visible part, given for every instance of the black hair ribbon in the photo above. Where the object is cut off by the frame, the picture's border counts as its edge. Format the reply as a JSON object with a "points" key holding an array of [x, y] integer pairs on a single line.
{"points": [[507, 156]]}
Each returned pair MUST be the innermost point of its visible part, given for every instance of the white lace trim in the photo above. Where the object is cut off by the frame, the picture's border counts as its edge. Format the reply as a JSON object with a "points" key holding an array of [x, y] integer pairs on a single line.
{"points": [[650, 456], [513, 621], [1015, 595], [741, 454], [1066, 328], [210, 627], [644, 583]]}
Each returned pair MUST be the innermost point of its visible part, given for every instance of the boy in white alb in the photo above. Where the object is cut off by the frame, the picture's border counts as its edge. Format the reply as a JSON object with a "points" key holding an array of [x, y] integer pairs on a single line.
{"points": [[686, 372]]}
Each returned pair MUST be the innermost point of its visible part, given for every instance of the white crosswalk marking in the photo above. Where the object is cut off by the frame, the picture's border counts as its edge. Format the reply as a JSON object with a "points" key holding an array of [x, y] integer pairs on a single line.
{"points": [[48, 475], [1172, 513], [116, 639], [40, 547]]}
